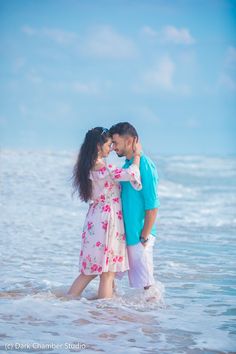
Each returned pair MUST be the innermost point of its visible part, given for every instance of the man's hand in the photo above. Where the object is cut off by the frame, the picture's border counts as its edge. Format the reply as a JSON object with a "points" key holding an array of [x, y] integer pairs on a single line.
{"points": [[144, 241], [144, 244]]}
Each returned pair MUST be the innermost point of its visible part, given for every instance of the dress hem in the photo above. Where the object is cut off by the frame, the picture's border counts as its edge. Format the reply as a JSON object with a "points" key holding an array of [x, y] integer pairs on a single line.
{"points": [[99, 273]]}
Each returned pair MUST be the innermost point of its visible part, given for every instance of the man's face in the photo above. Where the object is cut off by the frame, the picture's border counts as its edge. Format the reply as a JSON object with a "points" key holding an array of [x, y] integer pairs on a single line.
{"points": [[122, 145]]}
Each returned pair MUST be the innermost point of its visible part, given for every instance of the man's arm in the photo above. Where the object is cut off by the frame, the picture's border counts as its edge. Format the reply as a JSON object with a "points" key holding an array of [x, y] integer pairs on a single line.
{"points": [[150, 217], [149, 177]]}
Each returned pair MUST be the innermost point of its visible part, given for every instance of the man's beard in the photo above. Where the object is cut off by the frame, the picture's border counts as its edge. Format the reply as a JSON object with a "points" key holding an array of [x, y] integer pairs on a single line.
{"points": [[120, 155]]}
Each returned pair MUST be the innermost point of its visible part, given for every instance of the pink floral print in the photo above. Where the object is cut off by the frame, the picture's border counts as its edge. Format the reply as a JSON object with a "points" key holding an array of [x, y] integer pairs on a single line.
{"points": [[104, 245]]}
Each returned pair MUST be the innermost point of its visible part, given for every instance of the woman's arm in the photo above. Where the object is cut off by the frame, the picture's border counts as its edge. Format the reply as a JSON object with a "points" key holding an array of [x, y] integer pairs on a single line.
{"points": [[132, 173]]}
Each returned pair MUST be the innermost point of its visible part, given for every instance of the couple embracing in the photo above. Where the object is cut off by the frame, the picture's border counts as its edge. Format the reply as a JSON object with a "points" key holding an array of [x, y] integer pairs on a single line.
{"points": [[119, 230]]}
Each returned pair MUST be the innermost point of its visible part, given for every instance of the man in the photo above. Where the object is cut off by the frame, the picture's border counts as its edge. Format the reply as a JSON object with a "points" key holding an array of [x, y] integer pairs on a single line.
{"points": [[139, 208]]}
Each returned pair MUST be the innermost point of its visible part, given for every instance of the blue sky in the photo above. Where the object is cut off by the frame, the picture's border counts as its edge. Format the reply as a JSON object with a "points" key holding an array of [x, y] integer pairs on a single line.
{"points": [[168, 67]]}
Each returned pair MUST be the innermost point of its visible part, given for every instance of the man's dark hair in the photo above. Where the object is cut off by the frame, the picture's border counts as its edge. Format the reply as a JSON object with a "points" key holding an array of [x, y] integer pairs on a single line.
{"points": [[123, 128]]}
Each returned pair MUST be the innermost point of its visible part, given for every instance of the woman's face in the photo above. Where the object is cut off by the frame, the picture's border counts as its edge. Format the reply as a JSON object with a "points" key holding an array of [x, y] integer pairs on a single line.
{"points": [[106, 148]]}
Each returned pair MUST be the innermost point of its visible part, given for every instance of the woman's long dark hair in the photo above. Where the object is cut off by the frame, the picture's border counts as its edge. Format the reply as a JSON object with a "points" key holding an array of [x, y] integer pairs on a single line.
{"points": [[87, 156]]}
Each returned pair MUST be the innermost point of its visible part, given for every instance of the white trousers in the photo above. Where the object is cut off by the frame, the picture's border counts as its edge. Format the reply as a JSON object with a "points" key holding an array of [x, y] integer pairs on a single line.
{"points": [[141, 264]]}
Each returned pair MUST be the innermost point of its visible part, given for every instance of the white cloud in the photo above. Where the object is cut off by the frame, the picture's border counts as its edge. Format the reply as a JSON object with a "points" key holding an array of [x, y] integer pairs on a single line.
{"points": [[57, 35], [51, 111], [88, 88], [24, 110], [12, 85], [161, 76], [104, 42], [76, 86], [230, 57], [19, 63], [227, 82], [3, 120], [28, 30], [170, 34], [146, 30], [192, 123], [178, 36], [34, 78], [227, 79], [147, 115]]}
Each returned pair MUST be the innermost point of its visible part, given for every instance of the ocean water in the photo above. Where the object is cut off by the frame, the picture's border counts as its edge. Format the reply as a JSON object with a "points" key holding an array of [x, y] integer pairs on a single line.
{"points": [[195, 258]]}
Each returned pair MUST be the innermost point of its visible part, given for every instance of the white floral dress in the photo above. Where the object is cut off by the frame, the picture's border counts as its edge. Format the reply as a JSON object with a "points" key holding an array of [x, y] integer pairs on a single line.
{"points": [[103, 239]]}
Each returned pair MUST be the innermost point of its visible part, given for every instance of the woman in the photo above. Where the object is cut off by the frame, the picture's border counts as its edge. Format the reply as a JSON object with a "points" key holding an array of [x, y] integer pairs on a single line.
{"points": [[103, 250]]}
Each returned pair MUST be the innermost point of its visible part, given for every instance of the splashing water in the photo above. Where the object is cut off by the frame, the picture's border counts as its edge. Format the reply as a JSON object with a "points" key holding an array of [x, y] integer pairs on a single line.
{"points": [[190, 310]]}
